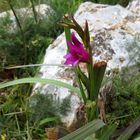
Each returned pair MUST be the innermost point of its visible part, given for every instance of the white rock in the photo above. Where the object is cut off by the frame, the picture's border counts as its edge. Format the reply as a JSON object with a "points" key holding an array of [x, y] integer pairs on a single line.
{"points": [[42, 11], [114, 29], [134, 6]]}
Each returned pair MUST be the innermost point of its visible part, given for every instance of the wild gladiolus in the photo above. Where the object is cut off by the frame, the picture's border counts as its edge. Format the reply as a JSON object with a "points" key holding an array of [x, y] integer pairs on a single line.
{"points": [[77, 52]]}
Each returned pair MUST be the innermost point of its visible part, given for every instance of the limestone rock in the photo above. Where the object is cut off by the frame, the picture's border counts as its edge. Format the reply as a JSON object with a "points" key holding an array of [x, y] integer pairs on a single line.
{"points": [[42, 10], [115, 30]]}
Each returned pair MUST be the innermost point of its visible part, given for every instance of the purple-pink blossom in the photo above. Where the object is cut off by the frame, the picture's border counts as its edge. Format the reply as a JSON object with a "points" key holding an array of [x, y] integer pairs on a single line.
{"points": [[77, 52]]}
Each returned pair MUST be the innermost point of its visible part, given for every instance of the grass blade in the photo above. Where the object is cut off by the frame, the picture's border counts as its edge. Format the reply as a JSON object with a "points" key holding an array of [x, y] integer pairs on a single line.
{"points": [[84, 131], [107, 132], [40, 80], [46, 120], [130, 130]]}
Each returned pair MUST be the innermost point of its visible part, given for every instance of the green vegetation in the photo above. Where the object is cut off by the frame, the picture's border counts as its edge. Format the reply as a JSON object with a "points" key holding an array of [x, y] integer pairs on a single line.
{"points": [[112, 2], [123, 103], [25, 116], [26, 44]]}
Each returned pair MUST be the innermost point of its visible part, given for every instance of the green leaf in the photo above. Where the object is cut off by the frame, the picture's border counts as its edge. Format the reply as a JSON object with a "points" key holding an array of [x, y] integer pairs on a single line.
{"points": [[91, 138], [68, 36], [86, 35], [85, 131], [83, 78], [46, 120], [83, 95], [107, 132], [78, 28], [40, 80], [130, 130], [138, 138], [67, 33], [98, 71]]}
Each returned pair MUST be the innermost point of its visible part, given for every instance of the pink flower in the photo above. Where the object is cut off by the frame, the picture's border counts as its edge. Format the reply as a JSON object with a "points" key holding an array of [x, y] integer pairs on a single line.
{"points": [[76, 53]]}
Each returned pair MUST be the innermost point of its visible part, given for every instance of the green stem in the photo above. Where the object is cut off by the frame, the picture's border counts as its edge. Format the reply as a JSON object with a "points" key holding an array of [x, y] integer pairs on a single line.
{"points": [[28, 131], [93, 113], [18, 127], [88, 114], [16, 17], [34, 11], [84, 79], [68, 36], [20, 28], [81, 87]]}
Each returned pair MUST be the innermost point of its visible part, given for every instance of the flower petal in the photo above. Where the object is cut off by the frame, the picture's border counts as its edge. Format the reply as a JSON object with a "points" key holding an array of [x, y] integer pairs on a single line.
{"points": [[85, 55], [73, 48], [76, 62], [75, 40], [76, 53], [67, 55], [71, 60]]}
